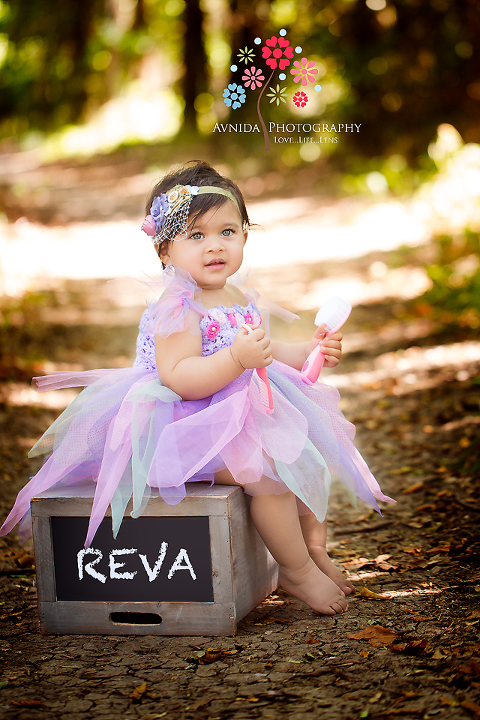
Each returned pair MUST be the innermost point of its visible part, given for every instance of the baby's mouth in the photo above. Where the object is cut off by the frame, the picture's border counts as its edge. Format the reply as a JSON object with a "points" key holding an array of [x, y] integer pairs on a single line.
{"points": [[217, 262]]}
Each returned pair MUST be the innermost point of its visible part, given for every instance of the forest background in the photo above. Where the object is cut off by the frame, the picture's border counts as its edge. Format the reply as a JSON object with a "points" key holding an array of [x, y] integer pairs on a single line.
{"points": [[147, 78]]}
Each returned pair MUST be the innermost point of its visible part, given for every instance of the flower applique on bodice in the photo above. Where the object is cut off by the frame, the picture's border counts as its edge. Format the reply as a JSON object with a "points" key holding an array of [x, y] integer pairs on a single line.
{"points": [[221, 325], [218, 329]]}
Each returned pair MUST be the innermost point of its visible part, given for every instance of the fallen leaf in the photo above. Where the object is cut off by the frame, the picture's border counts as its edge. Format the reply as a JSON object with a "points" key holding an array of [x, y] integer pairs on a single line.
{"points": [[269, 621], [209, 657], [376, 636], [381, 562], [375, 698], [27, 703], [212, 655], [366, 593], [365, 653], [312, 640], [473, 668], [473, 615], [408, 695], [247, 699], [427, 506], [473, 707], [447, 701], [413, 488], [402, 470], [357, 563], [439, 654], [440, 549], [138, 692], [411, 550], [398, 646], [413, 647], [12, 614]]}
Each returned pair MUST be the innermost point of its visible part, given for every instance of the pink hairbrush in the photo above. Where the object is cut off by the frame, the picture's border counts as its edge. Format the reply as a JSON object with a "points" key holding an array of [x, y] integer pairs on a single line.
{"points": [[333, 314], [265, 389]]}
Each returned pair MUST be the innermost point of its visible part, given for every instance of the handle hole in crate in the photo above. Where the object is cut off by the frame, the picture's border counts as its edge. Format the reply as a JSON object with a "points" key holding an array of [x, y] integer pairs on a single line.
{"points": [[135, 618]]}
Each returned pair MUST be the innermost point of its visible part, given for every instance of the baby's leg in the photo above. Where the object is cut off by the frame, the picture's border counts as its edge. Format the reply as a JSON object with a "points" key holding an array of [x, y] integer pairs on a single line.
{"points": [[315, 535], [277, 522]]}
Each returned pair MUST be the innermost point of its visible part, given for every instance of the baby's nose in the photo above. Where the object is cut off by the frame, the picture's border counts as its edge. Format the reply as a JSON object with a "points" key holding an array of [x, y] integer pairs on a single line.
{"points": [[215, 243]]}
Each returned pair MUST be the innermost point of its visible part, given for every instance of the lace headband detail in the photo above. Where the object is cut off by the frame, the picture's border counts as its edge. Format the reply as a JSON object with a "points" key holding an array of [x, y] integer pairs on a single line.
{"points": [[169, 211]]}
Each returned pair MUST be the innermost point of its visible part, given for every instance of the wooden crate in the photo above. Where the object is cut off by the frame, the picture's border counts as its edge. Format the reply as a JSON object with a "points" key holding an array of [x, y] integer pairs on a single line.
{"points": [[196, 568]]}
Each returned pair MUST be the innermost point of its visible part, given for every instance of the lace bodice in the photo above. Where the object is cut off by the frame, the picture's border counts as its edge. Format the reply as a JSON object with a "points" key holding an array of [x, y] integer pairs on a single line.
{"points": [[218, 330]]}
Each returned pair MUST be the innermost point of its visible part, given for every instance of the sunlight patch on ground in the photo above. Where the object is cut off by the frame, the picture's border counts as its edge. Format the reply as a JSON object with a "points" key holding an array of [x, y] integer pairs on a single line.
{"points": [[401, 283], [409, 367], [289, 230], [33, 255], [20, 394], [413, 591]]}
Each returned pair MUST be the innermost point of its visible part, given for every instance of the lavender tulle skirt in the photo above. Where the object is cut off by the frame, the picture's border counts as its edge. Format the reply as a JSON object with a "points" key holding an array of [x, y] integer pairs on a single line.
{"points": [[133, 436]]}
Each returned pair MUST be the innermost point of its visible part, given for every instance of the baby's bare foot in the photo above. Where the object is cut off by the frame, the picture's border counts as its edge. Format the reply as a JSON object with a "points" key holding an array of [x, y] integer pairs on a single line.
{"points": [[313, 587], [320, 558]]}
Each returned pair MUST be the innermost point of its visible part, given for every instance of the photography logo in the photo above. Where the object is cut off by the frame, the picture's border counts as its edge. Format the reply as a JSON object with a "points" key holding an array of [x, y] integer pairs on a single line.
{"points": [[256, 73]]}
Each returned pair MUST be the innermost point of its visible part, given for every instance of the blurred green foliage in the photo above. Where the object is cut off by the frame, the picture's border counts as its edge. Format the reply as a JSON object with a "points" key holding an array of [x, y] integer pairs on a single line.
{"points": [[61, 60], [399, 68], [410, 66], [455, 278]]}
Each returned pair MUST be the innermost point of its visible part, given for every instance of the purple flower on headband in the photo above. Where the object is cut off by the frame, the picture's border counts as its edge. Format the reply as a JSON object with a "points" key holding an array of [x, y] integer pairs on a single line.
{"points": [[158, 210]]}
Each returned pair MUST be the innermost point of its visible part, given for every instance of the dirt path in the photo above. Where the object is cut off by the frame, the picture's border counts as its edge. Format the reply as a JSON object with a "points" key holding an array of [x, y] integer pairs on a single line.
{"points": [[408, 646]]}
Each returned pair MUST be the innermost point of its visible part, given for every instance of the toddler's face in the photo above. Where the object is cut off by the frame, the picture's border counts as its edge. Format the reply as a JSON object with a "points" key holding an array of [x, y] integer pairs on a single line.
{"points": [[212, 248]]}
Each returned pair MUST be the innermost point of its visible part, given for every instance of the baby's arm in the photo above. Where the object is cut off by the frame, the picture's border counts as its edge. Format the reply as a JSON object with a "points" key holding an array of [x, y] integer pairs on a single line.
{"points": [[295, 354], [182, 368]]}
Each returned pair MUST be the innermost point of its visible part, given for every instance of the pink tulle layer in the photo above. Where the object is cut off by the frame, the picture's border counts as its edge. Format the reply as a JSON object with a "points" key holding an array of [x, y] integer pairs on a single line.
{"points": [[130, 434]]}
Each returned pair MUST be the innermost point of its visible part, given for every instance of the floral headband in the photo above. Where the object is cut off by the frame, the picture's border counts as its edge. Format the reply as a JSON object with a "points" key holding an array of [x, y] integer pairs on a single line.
{"points": [[169, 211]]}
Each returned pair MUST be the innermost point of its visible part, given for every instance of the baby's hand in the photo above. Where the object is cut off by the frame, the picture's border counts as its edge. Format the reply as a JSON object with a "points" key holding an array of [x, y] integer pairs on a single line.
{"points": [[330, 345], [251, 349]]}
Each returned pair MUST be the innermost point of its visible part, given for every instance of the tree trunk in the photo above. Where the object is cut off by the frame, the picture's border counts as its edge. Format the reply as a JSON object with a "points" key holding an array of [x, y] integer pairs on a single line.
{"points": [[195, 62]]}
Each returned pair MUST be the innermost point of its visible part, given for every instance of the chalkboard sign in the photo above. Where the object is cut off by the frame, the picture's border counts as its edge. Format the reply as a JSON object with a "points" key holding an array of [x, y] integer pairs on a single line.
{"points": [[160, 559]]}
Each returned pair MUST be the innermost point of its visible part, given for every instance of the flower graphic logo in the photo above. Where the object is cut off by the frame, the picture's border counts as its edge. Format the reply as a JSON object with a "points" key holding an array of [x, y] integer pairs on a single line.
{"points": [[300, 99], [304, 71], [277, 55], [246, 55], [253, 78], [234, 96], [277, 52], [277, 95]]}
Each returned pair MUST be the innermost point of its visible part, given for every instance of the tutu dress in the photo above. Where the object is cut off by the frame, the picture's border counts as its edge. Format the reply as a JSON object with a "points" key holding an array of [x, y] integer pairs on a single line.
{"points": [[133, 436]]}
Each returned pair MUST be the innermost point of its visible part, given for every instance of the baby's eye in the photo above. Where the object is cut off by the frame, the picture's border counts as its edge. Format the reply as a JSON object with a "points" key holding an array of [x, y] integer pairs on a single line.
{"points": [[228, 231], [196, 236]]}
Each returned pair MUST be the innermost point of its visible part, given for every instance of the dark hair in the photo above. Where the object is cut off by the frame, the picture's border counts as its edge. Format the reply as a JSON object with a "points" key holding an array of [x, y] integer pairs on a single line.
{"points": [[199, 172]]}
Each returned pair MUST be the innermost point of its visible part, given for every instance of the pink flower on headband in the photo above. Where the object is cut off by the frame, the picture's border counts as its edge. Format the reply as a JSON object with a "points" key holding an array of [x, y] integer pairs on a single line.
{"points": [[149, 226]]}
